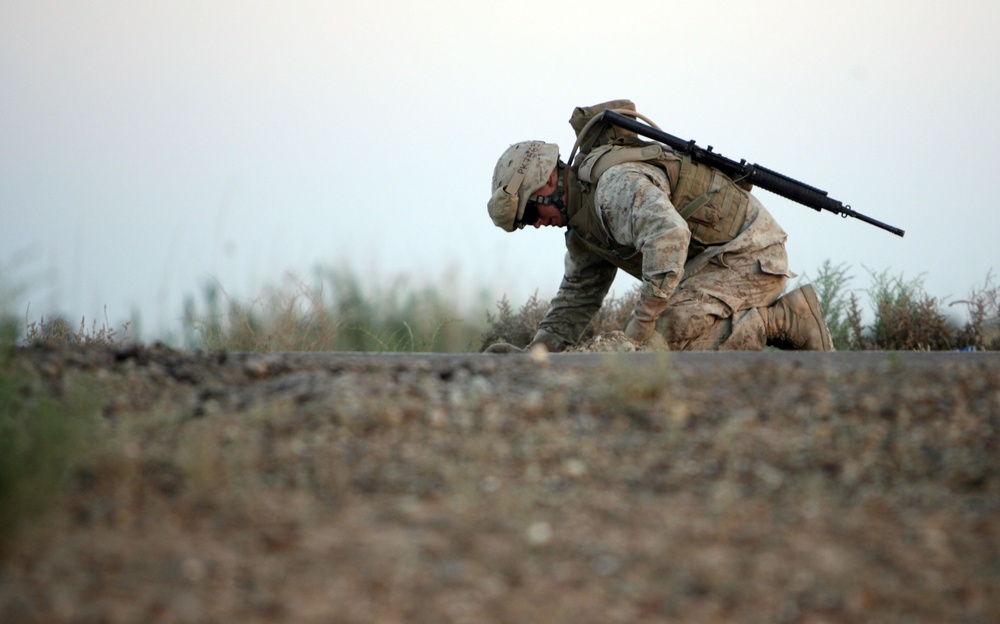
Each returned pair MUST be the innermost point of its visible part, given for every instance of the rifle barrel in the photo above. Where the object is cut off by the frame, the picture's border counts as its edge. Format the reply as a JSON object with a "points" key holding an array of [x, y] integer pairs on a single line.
{"points": [[758, 175]]}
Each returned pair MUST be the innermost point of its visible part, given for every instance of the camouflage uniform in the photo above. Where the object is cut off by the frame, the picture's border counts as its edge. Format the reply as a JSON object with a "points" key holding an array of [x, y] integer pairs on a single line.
{"points": [[705, 296]]}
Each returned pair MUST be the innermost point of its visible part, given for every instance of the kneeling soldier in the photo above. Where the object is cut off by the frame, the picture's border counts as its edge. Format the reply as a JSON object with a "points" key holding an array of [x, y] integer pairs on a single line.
{"points": [[711, 258]]}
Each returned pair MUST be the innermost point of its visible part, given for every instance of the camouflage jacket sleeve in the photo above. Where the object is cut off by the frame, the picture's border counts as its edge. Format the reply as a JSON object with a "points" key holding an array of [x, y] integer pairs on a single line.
{"points": [[634, 200], [586, 280]]}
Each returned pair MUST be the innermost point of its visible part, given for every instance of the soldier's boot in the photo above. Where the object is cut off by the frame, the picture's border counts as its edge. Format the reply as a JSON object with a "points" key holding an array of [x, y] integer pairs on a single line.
{"points": [[795, 322]]}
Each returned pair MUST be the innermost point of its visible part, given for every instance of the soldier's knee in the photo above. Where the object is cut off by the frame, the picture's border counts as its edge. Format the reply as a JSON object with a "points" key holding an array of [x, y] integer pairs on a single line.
{"points": [[684, 323]]}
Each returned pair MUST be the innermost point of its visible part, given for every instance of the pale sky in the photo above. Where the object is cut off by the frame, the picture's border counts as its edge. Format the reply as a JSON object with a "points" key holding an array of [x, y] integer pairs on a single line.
{"points": [[147, 148]]}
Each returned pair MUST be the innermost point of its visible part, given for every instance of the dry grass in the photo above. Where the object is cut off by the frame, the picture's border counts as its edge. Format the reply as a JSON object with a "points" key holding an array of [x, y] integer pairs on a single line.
{"points": [[335, 313], [57, 331]]}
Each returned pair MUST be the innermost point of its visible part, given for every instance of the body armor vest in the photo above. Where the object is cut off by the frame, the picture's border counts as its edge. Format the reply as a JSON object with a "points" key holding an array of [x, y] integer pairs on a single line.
{"points": [[712, 204]]}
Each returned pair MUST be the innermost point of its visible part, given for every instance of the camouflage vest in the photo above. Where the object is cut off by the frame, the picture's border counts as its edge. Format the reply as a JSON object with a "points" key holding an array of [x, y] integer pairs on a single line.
{"points": [[713, 205]]}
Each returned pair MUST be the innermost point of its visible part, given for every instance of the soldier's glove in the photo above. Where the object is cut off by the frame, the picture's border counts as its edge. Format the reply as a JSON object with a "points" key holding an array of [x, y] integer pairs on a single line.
{"points": [[503, 347], [639, 331], [643, 323]]}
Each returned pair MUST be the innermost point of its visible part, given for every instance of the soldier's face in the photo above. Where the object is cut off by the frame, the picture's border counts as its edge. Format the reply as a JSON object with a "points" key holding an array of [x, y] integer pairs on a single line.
{"points": [[548, 215]]}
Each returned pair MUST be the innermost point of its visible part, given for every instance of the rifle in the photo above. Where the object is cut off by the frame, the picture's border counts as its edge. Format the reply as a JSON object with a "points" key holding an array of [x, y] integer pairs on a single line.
{"points": [[743, 171]]}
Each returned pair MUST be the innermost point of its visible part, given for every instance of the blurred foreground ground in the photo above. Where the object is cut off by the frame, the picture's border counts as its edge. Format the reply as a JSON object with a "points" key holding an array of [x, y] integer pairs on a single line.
{"points": [[643, 487]]}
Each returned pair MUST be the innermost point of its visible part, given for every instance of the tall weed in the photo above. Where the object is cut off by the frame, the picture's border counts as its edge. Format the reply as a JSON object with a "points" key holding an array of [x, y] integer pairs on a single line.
{"points": [[831, 288], [906, 317]]}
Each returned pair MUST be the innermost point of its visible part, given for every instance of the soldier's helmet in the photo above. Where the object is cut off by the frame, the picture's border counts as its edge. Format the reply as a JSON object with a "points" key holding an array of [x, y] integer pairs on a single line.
{"points": [[522, 169]]}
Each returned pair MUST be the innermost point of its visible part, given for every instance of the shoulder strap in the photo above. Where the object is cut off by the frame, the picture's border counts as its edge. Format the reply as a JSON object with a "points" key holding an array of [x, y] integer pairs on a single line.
{"points": [[607, 156]]}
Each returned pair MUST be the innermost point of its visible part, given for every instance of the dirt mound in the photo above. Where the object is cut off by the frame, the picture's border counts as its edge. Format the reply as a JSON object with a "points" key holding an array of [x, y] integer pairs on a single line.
{"points": [[616, 342], [636, 487]]}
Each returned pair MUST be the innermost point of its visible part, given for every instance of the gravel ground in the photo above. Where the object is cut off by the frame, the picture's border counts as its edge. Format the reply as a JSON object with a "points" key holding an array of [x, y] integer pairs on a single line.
{"points": [[586, 487]]}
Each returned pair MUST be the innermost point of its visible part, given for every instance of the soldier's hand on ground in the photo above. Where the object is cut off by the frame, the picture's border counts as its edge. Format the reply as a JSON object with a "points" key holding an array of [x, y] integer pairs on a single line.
{"points": [[503, 347], [640, 331], [657, 342]]}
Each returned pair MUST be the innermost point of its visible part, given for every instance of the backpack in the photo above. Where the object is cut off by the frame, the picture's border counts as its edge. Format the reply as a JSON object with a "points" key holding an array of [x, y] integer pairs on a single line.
{"points": [[600, 134]]}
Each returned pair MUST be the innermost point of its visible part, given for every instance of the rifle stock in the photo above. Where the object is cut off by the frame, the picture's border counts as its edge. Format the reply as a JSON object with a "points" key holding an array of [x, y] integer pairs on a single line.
{"points": [[755, 174]]}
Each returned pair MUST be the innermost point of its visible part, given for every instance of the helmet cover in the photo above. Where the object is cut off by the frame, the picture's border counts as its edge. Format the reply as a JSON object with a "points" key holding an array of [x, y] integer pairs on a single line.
{"points": [[522, 169]]}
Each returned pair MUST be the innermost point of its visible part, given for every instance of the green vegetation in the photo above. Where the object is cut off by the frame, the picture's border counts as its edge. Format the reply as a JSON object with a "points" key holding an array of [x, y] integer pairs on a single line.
{"points": [[906, 318], [831, 288], [41, 430]]}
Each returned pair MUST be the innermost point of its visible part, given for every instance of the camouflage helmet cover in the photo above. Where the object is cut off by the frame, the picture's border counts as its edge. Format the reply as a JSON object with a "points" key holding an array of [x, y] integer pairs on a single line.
{"points": [[522, 169]]}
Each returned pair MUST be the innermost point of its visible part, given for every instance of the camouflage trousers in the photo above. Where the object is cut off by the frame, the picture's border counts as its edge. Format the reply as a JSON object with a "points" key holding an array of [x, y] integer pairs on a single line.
{"points": [[716, 308]]}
